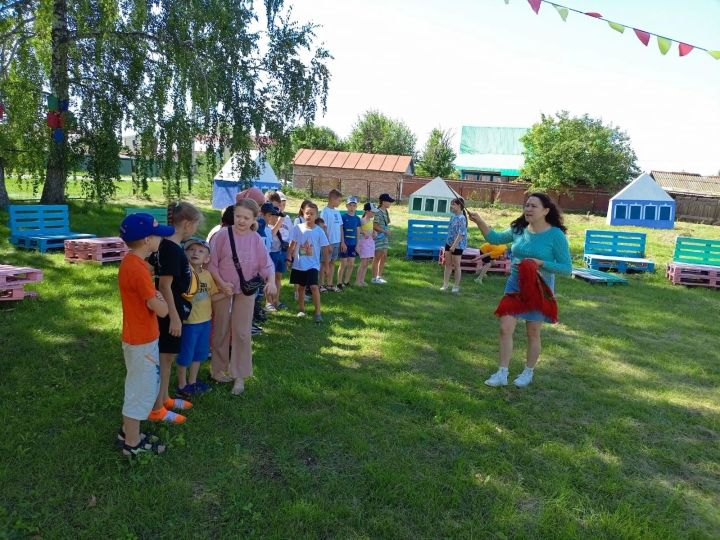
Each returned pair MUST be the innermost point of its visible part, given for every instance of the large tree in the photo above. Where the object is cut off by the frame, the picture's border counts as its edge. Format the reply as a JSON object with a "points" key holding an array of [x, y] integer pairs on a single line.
{"points": [[379, 134], [282, 151], [563, 152], [438, 156], [233, 72]]}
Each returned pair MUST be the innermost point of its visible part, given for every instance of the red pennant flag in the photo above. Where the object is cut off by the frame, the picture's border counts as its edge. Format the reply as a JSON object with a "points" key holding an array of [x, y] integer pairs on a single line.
{"points": [[593, 14], [642, 36], [535, 5], [684, 49]]}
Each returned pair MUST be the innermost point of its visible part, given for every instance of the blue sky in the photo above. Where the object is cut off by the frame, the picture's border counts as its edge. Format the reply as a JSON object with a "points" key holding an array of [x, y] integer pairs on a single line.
{"points": [[450, 63]]}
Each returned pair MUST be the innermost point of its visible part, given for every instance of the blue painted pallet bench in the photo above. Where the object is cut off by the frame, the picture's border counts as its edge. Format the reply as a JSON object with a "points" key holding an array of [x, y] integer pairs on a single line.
{"points": [[41, 226], [622, 251], [596, 276], [160, 214], [425, 238]]}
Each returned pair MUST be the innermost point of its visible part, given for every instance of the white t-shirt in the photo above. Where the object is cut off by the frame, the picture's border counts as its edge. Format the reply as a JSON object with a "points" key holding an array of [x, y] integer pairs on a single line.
{"points": [[285, 228], [333, 222], [309, 246]]}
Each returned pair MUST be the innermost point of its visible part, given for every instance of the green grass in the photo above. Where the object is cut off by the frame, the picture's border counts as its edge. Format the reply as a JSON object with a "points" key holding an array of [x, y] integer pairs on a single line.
{"points": [[377, 424]]}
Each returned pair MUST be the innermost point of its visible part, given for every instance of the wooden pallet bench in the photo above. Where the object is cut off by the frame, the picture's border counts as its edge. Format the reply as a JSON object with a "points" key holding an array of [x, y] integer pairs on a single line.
{"points": [[160, 214], [596, 276], [622, 251], [13, 280], [696, 262], [95, 250], [501, 265], [425, 237], [42, 227], [694, 275]]}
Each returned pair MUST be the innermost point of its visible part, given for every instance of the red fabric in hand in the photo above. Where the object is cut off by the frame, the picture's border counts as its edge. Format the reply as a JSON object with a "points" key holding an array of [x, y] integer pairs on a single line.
{"points": [[534, 294]]}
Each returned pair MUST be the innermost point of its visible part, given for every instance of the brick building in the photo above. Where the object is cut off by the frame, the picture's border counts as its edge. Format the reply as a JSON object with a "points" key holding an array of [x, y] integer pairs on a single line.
{"points": [[353, 173]]}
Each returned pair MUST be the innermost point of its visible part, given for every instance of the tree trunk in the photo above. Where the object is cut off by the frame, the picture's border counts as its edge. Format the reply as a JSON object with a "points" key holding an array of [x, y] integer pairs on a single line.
{"points": [[4, 199], [54, 188]]}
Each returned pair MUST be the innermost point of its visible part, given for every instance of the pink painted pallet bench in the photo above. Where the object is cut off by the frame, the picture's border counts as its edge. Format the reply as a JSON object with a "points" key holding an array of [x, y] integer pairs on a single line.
{"points": [[95, 250], [694, 275], [13, 280], [500, 266]]}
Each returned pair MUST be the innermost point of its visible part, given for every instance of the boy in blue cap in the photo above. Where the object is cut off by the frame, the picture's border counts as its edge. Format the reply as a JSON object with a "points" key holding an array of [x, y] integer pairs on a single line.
{"points": [[142, 304]]}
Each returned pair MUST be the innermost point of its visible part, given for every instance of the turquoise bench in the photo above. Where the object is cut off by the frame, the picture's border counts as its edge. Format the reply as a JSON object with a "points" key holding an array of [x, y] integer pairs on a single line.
{"points": [[622, 251], [696, 262], [41, 226], [425, 238], [160, 214]]}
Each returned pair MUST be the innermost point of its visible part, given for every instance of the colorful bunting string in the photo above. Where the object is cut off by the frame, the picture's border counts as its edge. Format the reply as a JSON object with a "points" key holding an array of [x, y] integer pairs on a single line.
{"points": [[664, 43]]}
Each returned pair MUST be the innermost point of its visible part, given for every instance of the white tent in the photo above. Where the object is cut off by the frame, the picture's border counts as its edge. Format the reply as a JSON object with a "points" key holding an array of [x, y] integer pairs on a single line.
{"points": [[433, 199], [642, 203], [227, 183]]}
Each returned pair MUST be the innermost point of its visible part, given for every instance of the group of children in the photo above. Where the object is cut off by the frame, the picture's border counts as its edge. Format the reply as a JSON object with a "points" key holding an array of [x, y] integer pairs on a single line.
{"points": [[206, 292]]}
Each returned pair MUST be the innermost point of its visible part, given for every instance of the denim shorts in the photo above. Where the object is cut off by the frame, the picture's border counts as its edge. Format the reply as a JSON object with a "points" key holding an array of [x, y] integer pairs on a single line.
{"points": [[334, 252], [278, 259], [194, 343]]}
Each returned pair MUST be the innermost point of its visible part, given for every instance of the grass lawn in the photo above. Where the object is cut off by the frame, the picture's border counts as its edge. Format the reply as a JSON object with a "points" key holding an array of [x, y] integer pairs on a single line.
{"points": [[376, 424]]}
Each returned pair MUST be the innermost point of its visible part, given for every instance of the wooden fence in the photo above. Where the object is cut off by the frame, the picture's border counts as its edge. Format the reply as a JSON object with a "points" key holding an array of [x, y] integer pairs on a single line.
{"points": [[697, 209]]}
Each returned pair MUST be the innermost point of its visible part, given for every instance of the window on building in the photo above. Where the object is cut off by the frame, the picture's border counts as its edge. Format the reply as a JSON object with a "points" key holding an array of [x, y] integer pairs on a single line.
{"points": [[650, 213], [620, 211], [429, 205], [635, 211], [442, 206], [470, 176], [417, 204], [665, 212]]}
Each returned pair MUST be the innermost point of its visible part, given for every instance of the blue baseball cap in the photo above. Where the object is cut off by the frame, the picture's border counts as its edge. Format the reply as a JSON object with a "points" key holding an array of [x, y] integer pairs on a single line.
{"points": [[195, 240], [139, 226]]}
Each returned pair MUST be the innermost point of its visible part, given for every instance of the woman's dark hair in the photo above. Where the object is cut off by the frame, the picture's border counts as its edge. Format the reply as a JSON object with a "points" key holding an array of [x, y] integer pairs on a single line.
{"points": [[228, 216], [554, 216], [461, 203]]}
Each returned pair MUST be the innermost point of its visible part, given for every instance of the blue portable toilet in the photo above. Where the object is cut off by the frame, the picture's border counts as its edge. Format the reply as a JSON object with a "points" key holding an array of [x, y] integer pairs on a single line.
{"points": [[227, 183], [642, 203]]}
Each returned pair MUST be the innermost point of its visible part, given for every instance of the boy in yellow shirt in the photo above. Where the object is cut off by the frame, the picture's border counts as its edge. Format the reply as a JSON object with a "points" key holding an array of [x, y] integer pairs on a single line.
{"points": [[195, 337]]}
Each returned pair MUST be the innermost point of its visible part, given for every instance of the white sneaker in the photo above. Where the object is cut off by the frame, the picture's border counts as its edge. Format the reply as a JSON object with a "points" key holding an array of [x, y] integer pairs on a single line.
{"points": [[497, 379], [456, 290], [300, 314], [381, 280], [270, 307], [524, 379], [444, 288], [376, 281]]}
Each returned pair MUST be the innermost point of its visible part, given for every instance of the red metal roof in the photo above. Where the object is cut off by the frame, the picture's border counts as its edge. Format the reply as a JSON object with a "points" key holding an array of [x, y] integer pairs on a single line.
{"points": [[352, 160]]}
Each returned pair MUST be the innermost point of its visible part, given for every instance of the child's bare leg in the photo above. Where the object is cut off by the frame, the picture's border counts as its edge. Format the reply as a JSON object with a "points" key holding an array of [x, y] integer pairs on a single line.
{"points": [[349, 270], [316, 298], [362, 270], [181, 374], [341, 271], [131, 429], [278, 285], [166, 361], [300, 290], [194, 370], [458, 271], [381, 262], [448, 268]]}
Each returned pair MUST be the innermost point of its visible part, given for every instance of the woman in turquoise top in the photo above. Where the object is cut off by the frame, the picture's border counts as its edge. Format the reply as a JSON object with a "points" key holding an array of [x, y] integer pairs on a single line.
{"points": [[538, 234]]}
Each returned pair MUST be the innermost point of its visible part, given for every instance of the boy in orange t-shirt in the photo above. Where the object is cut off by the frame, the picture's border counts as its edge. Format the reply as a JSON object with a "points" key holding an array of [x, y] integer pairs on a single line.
{"points": [[141, 305]]}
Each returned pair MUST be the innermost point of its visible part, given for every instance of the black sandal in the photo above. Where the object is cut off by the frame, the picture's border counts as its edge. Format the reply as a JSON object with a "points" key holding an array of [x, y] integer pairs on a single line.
{"points": [[143, 447], [120, 439]]}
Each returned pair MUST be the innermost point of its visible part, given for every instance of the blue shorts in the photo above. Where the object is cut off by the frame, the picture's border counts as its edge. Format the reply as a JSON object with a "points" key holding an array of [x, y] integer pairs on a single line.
{"points": [[278, 259], [194, 343], [350, 253]]}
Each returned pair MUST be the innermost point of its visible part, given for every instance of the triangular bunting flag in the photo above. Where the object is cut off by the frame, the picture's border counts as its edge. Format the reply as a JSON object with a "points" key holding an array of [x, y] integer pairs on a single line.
{"points": [[714, 54], [535, 5], [642, 36], [593, 14], [563, 12], [617, 27], [685, 49], [664, 44]]}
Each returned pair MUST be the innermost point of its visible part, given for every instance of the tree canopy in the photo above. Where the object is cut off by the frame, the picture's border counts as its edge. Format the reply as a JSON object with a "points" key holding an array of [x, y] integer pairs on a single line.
{"points": [[233, 73], [378, 134], [438, 156], [563, 152]]}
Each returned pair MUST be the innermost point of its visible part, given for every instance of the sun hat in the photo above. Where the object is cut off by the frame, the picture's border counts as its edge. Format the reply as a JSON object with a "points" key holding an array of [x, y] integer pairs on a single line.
{"points": [[140, 225]]}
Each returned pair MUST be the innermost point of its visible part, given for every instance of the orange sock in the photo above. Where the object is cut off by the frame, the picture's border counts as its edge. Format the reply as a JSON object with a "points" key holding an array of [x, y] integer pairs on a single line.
{"points": [[163, 415], [180, 404]]}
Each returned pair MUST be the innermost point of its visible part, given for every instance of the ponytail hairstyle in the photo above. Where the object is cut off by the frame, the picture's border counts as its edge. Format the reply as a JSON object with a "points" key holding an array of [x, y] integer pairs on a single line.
{"points": [[181, 211], [461, 203], [554, 217]]}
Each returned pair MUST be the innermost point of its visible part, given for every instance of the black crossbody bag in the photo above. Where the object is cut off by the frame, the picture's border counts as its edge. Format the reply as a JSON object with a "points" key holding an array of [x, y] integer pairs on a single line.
{"points": [[248, 288]]}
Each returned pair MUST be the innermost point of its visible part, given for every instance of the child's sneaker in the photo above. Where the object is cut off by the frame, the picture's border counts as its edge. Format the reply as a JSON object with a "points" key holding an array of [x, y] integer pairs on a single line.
{"points": [[444, 288], [281, 306], [300, 314], [318, 318], [499, 378], [186, 391], [340, 286], [169, 417], [239, 387], [270, 308], [179, 404], [524, 379], [256, 330], [456, 290]]}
